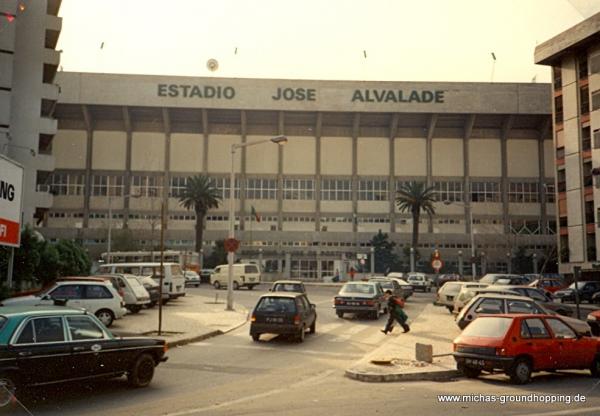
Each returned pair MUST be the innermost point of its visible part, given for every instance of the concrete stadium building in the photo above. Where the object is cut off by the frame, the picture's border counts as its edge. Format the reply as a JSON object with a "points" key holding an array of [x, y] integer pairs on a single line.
{"points": [[324, 195]]}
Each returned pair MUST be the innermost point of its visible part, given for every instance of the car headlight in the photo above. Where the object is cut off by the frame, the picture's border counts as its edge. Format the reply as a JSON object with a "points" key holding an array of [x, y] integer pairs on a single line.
{"points": [[591, 317]]}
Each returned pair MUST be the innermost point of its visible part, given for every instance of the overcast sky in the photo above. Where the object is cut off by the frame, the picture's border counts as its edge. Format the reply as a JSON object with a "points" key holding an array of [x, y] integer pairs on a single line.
{"points": [[379, 40]]}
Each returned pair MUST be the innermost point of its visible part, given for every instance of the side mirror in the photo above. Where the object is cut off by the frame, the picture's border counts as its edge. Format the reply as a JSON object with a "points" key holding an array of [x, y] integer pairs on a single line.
{"points": [[46, 297]]}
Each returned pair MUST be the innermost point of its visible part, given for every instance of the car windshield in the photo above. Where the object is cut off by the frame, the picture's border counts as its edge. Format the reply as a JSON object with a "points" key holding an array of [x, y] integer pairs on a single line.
{"points": [[288, 287], [279, 305], [358, 288], [488, 326], [503, 281], [133, 282]]}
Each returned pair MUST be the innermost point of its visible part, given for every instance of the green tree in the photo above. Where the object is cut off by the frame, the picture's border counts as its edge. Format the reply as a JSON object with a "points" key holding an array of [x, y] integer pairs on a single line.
{"points": [[415, 197], [27, 258], [385, 258], [217, 257], [49, 266], [74, 260], [406, 257], [200, 195]]}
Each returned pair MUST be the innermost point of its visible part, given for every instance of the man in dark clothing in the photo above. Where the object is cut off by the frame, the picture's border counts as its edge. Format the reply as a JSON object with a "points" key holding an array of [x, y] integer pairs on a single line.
{"points": [[396, 312]]}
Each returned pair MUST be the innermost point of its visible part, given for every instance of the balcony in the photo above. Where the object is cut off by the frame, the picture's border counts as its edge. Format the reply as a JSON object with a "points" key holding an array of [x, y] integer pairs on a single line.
{"points": [[44, 162], [50, 92], [43, 199], [48, 125], [53, 23], [51, 57]]}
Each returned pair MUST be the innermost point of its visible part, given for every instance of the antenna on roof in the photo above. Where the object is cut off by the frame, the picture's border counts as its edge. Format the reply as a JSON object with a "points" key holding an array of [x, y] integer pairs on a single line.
{"points": [[493, 66]]}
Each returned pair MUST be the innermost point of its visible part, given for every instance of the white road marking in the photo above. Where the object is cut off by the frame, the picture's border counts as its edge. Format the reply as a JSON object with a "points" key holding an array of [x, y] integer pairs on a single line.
{"points": [[311, 381], [277, 348]]}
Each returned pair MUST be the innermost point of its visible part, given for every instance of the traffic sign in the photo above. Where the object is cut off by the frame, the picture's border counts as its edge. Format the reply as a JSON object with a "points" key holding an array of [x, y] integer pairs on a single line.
{"points": [[231, 245], [437, 264]]}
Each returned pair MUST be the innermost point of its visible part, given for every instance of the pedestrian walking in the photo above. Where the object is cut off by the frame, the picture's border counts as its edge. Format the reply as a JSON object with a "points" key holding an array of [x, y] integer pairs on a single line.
{"points": [[396, 313]]}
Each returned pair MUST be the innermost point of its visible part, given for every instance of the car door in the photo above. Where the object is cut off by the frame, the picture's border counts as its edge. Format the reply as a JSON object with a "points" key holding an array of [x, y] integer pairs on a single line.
{"points": [[90, 346], [98, 297], [73, 293], [311, 313], [43, 354], [574, 351], [538, 343]]}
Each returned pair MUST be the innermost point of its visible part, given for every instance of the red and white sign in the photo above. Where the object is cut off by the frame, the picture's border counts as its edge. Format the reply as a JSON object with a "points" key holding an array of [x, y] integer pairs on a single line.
{"points": [[437, 264], [11, 200]]}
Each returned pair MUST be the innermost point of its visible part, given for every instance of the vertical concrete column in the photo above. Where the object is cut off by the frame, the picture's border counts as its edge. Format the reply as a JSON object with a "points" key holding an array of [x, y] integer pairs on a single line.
{"points": [[205, 146], [280, 131], [429, 157], [279, 265], [545, 128], [504, 178], [167, 173], [242, 175], [288, 266], [469, 123], [127, 177], [355, 133], [89, 128], [391, 180], [318, 130]]}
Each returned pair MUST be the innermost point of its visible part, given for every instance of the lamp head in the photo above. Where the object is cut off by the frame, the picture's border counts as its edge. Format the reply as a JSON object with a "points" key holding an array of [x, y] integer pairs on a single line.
{"points": [[279, 139]]}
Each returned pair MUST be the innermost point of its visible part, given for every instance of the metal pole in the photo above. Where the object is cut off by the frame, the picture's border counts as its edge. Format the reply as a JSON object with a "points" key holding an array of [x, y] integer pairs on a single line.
{"points": [[11, 262], [576, 275], [460, 264], [372, 260], [162, 269], [412, 259], [535, 265], [231, 230]]}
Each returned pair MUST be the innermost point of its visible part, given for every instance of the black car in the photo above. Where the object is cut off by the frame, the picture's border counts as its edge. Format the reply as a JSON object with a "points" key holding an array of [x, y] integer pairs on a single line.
{"points": [[49, 344], [586, 291], [283, 313], [364, 298]]}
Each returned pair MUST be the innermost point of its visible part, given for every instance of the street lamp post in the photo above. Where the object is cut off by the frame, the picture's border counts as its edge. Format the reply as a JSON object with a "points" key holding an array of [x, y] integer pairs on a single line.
{"points": [[412, 259], [535, 265], [109, 236], [460, 263], [471, 233], [277, 140], [509, 262], [372, 260]]}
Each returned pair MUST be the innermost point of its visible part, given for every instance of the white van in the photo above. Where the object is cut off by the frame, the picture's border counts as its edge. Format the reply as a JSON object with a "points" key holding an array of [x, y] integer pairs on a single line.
{"points": [[173, 281], [244, 274], [131, 290]]}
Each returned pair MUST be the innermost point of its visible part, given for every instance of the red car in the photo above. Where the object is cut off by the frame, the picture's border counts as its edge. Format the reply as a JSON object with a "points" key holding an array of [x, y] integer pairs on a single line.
{"points": [[521, 344], [548, 284]]}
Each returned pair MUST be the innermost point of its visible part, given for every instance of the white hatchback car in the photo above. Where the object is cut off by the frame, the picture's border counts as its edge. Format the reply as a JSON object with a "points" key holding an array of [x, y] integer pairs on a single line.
{"points": [[191, 278], [99, 298]]}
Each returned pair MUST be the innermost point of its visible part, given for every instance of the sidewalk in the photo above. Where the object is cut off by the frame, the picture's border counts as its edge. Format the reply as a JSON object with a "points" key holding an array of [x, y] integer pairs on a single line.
{"points": [[188, 319], [395, 359]]}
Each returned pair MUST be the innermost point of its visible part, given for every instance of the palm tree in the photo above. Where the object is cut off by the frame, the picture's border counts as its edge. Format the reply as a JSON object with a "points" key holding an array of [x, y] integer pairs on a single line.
{"points": [[414, 197], [200, 195]]}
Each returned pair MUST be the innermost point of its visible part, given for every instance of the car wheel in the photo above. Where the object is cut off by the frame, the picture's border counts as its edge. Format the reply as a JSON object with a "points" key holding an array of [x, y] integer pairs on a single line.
{"points": [[255, 337], [340, 314], [313, 327], [469, 372], [250, 287], [105, 316], [375, 314], [8, 389], [151, 305], [142, 371], [595, 367], [301, 334], [520, 373], [197, 284], [217, 285], [135, 309], [235, 285], [450, 308]]}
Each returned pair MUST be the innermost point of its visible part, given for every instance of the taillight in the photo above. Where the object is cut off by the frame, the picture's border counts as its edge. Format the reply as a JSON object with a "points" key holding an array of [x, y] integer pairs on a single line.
{"points": [[455, 347], [253, 319], [165, 348], [369, 302], [297, 320], [121, 292], [337, 301], [500, 351]]}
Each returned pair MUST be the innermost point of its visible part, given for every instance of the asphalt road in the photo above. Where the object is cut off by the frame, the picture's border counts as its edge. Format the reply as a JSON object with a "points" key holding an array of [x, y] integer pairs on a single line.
{"points": [[232, 375]]}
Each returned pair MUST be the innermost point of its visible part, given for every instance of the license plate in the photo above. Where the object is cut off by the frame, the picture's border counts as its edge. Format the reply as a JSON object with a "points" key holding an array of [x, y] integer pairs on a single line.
{"points": [[353, 303], [274, 320], [474, 362]]}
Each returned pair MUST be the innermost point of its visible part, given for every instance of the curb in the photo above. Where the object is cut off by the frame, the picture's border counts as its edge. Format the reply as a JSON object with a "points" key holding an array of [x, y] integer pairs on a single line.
{"points": [[440, 375], [212, 334]]}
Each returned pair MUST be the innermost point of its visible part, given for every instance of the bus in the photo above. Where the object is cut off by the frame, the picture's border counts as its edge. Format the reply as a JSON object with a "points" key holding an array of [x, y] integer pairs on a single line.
{"points": [[188, 260]]}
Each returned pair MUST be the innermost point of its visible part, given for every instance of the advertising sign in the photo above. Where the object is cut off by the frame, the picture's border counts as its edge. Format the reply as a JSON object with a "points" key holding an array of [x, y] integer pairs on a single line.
{"points": [[11, 200]]}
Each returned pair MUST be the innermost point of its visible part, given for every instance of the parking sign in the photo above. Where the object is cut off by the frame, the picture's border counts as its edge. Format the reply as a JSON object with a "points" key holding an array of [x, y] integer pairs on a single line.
{"points": [[11, 200]]}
